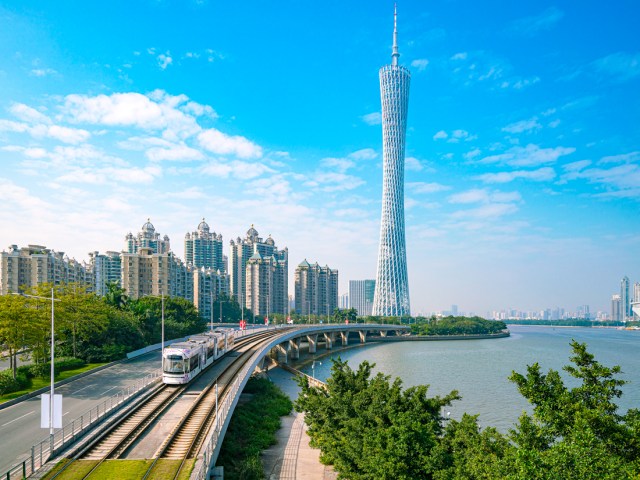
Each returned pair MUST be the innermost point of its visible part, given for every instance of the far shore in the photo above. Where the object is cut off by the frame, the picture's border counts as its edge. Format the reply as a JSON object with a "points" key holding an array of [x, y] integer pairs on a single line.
{"points": [[560, 326]]}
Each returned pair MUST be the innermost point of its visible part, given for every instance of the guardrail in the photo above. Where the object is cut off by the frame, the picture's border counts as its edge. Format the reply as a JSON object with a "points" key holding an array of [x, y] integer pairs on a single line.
{"points": [[44, 451], [201, 472]]}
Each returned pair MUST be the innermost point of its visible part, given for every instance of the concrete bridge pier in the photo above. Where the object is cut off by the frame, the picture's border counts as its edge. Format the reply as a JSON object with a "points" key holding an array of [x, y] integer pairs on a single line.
{"points": [[329, 339], [294, 348], [281, 352], [363, 336], [383, 333], [313, 342], [345, 338]]}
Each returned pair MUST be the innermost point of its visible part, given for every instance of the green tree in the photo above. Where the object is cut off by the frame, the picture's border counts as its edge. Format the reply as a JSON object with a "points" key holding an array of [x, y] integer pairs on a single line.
{"points": [[181, 318], [19, 326], [369, 427], [575, 433], [116, 295]]}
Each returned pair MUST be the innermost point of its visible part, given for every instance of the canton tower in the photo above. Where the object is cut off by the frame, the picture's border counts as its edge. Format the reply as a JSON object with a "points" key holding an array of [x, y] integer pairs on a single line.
{"points": [[391, 296]]}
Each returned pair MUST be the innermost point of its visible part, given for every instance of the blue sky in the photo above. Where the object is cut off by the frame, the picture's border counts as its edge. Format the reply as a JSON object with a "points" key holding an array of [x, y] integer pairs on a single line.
{"points": [[523, 142]]}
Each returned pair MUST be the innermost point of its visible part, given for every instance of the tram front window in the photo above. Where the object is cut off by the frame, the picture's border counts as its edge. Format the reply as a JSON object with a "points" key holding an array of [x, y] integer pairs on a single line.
{"points": [[173, 364]]}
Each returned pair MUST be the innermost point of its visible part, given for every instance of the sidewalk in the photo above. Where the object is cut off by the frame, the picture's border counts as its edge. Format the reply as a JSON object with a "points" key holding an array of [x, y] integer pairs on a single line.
{"points": [[292, 458]]}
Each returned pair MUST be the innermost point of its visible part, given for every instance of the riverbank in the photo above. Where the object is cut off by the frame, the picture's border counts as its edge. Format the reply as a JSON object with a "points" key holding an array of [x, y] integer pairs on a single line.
{"points": [[436, 338]]}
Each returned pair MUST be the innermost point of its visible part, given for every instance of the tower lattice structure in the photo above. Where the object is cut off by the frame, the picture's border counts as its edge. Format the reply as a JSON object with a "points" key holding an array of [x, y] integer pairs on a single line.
{"points": [[391, 296]]}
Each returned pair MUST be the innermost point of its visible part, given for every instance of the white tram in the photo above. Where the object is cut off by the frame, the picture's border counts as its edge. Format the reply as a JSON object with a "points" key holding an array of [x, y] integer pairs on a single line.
{"points": [[182, 361]]}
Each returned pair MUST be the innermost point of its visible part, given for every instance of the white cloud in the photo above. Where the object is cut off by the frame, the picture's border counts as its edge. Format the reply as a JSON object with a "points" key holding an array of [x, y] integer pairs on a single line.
{"points": [[333, 182], [622, 158], [56, 132], [530, 26], [459, 56], [164, 60], [217, 142], [28, 114], [64, 134], [42, 72], [157, 111], [364, 154], [423, 187], [621, 180], [619, 66], [484, 196], [540, 175], [470, 155], [440, 135], [576, 166], [529, 156], [523, 126], [519, 83], [486, 212], [341, 164], [413, 164], [174, 152], [374, 118], [236, 168], [420, 64]]}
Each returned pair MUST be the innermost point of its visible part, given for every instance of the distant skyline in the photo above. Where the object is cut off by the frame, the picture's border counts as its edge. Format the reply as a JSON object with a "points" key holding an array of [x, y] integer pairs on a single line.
{"points": [[523, 140]]}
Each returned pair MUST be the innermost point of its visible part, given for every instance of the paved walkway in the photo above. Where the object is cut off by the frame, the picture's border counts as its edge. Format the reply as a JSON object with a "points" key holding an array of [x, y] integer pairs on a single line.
{"points": [[292, 458]]}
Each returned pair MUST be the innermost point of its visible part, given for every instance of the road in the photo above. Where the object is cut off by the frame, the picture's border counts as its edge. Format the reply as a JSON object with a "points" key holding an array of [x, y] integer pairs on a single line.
{"points": [[20, 423]]}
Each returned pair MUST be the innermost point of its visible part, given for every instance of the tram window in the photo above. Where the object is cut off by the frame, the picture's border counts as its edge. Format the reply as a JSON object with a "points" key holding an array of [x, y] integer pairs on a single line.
{"points": [[173, 364], [210, 352], [194, 362]]}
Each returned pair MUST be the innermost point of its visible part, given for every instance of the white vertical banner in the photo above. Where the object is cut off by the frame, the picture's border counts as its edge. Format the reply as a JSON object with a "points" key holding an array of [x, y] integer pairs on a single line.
{"points": [[45, 409]]}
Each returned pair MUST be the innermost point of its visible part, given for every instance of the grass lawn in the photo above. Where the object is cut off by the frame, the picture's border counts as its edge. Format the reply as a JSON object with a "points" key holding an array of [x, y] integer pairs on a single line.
{"points": [[37, 382], [122, 469]]}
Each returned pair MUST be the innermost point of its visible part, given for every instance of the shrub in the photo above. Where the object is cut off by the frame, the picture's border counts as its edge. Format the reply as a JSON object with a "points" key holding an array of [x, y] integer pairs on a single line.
{"points": [[43, 370], [9, 384]]}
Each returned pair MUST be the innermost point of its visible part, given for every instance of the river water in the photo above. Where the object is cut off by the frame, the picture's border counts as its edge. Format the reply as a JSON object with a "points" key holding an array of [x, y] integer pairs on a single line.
{"points": [[479, 369]]}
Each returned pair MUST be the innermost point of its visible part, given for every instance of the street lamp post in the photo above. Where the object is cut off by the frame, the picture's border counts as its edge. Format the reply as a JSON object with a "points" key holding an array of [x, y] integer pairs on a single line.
{"points": [[162, 319], [313, 369], [211, 313], [52, 389]]}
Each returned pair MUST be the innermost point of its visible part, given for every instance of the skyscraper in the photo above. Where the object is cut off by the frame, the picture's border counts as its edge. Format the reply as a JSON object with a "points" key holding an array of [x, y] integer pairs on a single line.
{"points": [[625, 299], [361, 294], [616, 308], [392, 286]]}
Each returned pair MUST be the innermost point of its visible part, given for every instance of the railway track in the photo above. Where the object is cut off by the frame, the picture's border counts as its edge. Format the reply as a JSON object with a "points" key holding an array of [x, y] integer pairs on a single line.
{"points": [[186, 438]]}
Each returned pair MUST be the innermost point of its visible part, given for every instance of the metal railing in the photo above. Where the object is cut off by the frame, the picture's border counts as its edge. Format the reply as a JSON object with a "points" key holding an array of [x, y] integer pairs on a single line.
{"points": [[44, 451], [224, 410]]}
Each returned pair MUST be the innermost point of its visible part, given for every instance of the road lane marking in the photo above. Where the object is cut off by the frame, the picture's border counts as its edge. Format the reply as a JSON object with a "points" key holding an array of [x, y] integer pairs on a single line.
{"points": [[16, 419], [80, 389]]}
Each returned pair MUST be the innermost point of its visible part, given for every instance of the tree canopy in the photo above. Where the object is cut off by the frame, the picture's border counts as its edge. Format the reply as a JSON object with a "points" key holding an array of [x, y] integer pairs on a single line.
{"points": [[370, 428]]}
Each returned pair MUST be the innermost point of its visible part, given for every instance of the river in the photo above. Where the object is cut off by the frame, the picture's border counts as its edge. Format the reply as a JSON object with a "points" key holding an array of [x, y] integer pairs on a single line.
{"points": [[479, 369]]}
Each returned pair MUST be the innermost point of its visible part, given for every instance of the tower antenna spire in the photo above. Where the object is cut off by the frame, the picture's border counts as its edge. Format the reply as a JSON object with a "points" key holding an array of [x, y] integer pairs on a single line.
{"points": [[395, 54]]}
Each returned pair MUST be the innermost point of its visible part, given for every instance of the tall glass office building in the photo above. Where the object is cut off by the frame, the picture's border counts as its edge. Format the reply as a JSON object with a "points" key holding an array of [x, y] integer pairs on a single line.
{"points": [[392, 286]]}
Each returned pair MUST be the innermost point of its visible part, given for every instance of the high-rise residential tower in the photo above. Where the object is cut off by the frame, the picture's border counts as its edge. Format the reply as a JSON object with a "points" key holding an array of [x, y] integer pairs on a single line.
{"points": [[203, 248], [625, 299], [392, 285], [147, 238], [316, 289], [240, 251]]}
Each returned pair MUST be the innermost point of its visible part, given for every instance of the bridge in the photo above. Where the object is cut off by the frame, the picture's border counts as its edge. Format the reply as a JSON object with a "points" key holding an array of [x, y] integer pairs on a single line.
{"points": [[286, 343]]}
